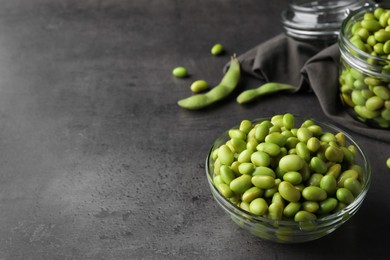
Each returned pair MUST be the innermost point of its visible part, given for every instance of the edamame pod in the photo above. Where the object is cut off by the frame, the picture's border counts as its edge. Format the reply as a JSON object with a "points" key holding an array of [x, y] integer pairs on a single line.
{"points": [[265, 89], [222, 90]]}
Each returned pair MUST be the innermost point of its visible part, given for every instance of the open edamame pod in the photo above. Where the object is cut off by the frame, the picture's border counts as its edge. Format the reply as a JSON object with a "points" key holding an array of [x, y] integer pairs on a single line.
{"points": [[265, 89], [228, 83]]}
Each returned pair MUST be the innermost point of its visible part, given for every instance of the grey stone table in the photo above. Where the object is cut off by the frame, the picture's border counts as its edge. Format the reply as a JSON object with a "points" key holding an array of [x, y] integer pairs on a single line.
{"points": [[98, 162]]}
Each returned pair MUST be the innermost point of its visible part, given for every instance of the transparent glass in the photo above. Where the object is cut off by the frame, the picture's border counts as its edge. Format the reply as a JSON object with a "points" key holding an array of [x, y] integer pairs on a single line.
{"points": [[363, 78], [318, 20], [284, 231]]}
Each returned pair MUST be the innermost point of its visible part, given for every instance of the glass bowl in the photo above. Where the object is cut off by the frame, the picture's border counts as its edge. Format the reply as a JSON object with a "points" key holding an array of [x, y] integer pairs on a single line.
{"points": [[290, 231]]}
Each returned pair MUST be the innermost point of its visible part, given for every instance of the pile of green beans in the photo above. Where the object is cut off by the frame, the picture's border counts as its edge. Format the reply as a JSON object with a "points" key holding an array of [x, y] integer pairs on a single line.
{"points": [[369, 95], [279, 171]]}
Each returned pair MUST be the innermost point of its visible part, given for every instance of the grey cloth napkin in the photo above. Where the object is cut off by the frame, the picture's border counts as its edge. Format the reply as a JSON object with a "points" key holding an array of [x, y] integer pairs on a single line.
{"points": [[310, 67]]}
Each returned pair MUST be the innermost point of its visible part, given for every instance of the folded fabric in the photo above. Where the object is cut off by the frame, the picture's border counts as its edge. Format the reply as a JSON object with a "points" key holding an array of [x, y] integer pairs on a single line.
{"points": [[310, 67]]}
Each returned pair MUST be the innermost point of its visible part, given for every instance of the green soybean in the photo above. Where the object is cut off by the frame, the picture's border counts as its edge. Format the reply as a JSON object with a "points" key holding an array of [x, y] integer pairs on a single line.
{"points": [[291, 209], [258, 206], [199, 86], [265, 89], [275, 211], [222, 90], [291, 162], [314, 193], [326, 206], [263, 181], [303, 215], [344, 195], [225, 155], [180, 72], [217, 49], [329, 184], [251, 194], [227, 174], [289, 192], [241, 183]]}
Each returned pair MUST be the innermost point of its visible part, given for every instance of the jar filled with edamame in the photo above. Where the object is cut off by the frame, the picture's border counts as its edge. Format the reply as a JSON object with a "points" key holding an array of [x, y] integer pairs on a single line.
{"points": [[317, 21], [364, 77]]}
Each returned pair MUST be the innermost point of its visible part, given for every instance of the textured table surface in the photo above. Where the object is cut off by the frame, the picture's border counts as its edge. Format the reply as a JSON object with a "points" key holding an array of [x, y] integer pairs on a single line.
{"points": [[97, 161]]}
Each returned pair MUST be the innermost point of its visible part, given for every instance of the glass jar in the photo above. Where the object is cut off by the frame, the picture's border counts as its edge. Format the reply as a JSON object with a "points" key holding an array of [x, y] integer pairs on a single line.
{"points": [[319, 20], [365, 73]]}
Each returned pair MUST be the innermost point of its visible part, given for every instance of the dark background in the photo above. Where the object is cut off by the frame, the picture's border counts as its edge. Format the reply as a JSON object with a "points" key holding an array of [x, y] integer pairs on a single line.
{"points": [[98, 162]]}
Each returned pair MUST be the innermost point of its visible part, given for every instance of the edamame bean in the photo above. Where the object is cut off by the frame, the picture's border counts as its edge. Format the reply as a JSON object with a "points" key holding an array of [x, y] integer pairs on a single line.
{"points": [[344, 195], [263, 181], [241, 183], [217, 49], [226, 174], [225, 155], [223, 89], [225, 190], [180, 72], [260, 158], [261, 170], [291, 162], [310, 206], [275, 211], [258, 206], [269, 148], [251, 194], [314, 193], [266, 89], [302, 216], [388, 162], [199, 86], [318, 165], [353, 185], [289, 192], [329, 184], [246, 168], [294, 178], [291, 209], [326, 206]]}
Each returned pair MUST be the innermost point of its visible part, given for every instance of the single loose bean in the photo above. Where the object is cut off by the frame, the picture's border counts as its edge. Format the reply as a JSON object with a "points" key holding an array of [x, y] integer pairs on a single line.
{"points": [[329, 184], [225, 155], [388, 162], [238, 144], [199, 86], [251, 194], [261, 170], [353, 185], [276, 138], [245, 156], [226, 174], [334, 154], [313, 144], [246, 168], [293, 177], [258, 206], [303, 215], [326, 206], [260, 158], [289, 192], [277, 198], [217, 49], [291, 162], [263, 181], [241, 183], [225, 190], [269, 148], [237, 133], [302, 151], [261, 131], [275, 211], [223, 89], [318, 165], [310, 206], [180, 72], [291, 209], [266, 89], [246, 126], [314, 193], [344, 195]]}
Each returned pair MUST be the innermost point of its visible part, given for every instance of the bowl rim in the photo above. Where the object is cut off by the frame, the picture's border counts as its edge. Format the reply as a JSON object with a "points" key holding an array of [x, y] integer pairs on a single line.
{"points": [[322, 220]]}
